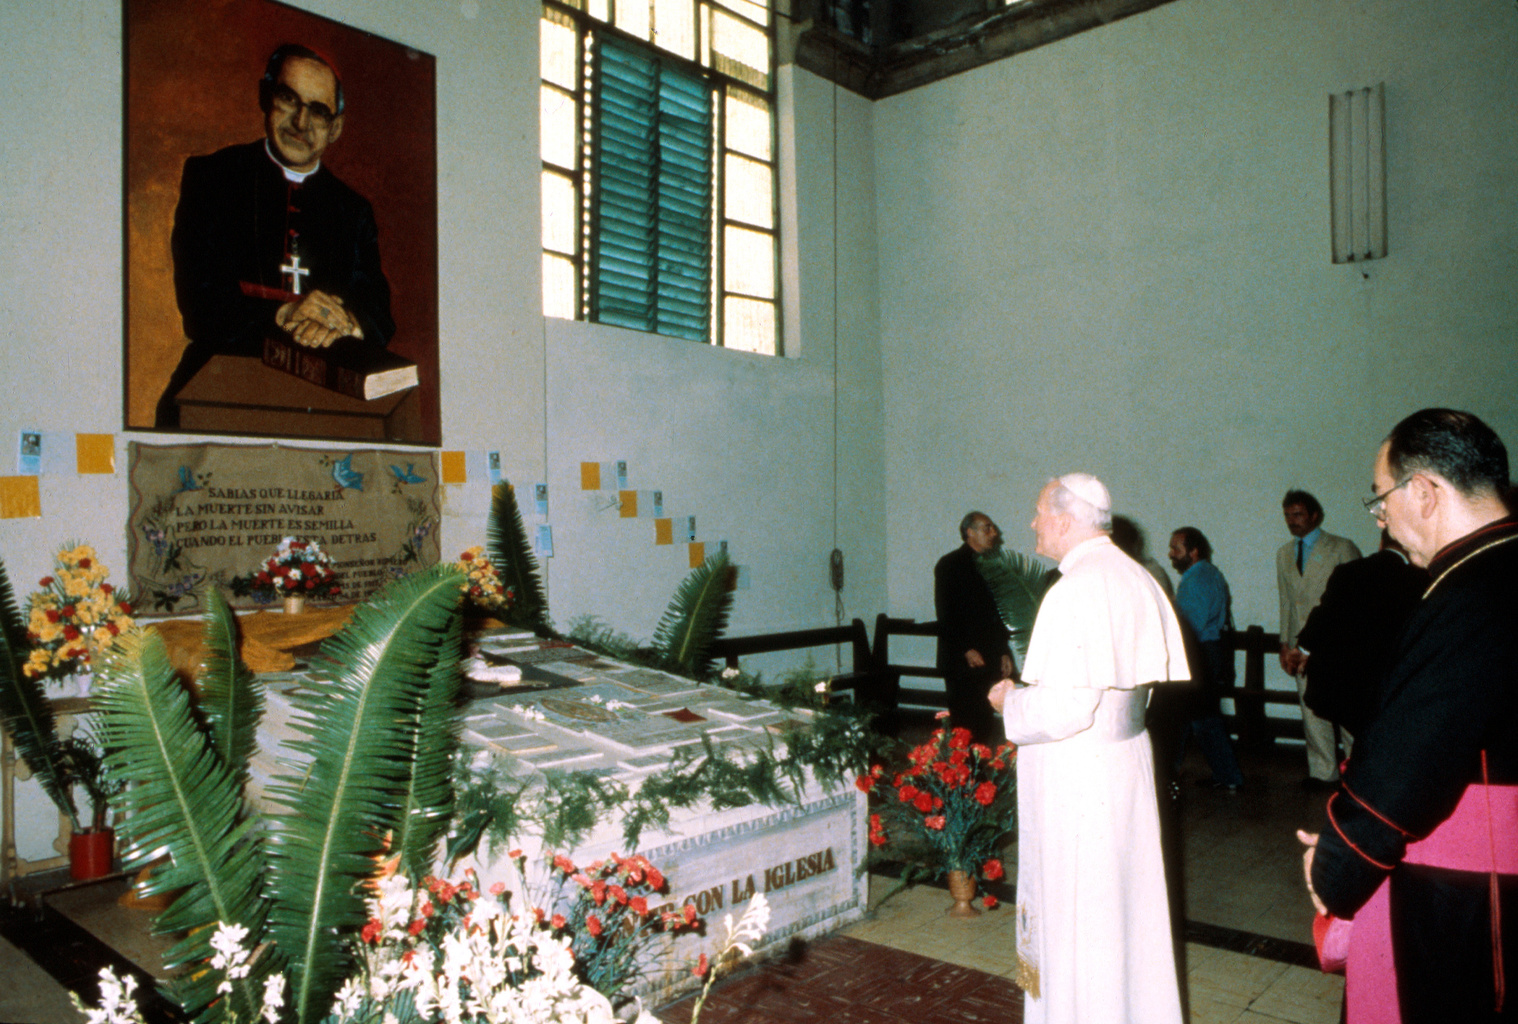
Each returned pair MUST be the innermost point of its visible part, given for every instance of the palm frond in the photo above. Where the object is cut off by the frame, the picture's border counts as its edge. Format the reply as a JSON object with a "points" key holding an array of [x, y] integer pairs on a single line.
{"points": [[427, 807], [696, 616], [184, 802], [506, 544], [231, 700], [360, 724], [1018, 583], [25, 710]]}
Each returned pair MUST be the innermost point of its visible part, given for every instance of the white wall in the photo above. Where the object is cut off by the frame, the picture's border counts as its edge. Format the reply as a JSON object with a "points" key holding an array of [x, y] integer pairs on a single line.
{"points": [[745, 443], [1111, 254]]}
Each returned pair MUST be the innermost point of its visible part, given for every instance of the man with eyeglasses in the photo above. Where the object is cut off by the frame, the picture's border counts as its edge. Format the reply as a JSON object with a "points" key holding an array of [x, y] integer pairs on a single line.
{"points": [[1303, 565], [268, 240], [1420, 846]]}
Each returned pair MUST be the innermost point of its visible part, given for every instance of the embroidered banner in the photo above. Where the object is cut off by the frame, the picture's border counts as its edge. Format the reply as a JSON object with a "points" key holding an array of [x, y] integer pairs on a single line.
{"points": [[204, 514]]}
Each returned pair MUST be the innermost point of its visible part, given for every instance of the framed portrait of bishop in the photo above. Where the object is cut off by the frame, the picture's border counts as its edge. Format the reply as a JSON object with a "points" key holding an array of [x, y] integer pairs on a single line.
{"points": [[281, 226]]}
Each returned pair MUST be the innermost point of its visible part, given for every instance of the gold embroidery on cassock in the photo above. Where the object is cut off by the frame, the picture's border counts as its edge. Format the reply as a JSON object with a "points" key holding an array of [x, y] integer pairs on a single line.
{"points": [[1027, 966]]}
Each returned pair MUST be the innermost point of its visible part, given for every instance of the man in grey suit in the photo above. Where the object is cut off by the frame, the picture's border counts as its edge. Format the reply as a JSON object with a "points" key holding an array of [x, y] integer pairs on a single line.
{"points": [[1303, 565]]}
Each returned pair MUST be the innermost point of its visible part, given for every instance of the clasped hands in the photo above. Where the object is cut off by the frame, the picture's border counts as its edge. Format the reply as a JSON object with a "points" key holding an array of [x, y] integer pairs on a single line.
{"points": [[317, 319]]}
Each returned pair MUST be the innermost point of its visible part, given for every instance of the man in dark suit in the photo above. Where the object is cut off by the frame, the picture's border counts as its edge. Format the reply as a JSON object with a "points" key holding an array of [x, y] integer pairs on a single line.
{"points": [[266, 239], [1350, 638], [973, 652]]}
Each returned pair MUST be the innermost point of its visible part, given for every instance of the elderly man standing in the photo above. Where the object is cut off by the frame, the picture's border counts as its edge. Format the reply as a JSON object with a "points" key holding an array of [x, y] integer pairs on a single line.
{"points": [[1420, 846], [1093, 915]]}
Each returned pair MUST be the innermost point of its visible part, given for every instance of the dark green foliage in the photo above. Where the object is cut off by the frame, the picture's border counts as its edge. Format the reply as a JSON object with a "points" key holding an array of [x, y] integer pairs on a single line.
{"points": [[186, 803], [230, 700], [696, 616], [507, 547], [1018, 584], [25, 711], [360, 728], [427, 806]]}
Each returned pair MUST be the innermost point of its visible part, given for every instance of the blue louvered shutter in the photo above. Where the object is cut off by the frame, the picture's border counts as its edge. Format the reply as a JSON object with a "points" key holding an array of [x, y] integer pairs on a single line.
{"points": [[651, 240]]}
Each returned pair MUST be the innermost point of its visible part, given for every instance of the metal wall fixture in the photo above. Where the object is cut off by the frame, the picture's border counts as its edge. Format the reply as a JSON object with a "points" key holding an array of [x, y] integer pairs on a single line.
{"points": [[1357, 173]]}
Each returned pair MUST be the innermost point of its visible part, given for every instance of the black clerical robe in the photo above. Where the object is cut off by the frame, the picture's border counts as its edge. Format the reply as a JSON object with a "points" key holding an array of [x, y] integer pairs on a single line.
{"points": [[238, 222], [1451, 695], [968, 620]]}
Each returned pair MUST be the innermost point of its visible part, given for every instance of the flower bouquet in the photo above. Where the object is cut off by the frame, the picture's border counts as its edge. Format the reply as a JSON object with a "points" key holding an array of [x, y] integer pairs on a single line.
{"points": [[949, 809], [74, 617], [298, 568], [484, 587]]}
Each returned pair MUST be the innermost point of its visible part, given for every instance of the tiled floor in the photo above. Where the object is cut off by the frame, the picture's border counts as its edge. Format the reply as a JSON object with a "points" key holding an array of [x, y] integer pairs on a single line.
{"points": [[1246, 958]]}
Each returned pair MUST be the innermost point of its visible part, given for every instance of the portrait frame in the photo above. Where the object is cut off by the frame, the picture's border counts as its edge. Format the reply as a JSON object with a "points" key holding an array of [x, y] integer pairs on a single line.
{"points": [[192, 87]]}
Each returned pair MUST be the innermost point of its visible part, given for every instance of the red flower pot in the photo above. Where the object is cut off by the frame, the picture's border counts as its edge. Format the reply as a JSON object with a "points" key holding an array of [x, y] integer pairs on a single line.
{"points": [[92, 853]]}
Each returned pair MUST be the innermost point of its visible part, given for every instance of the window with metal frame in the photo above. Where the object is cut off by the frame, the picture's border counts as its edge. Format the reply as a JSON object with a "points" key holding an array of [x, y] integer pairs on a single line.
{"points": [[658, 168]]}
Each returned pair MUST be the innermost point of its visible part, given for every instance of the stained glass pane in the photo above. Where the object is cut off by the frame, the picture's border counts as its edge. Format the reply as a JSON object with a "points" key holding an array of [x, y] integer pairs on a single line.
{"points": [[675, 27], [740, 50], [748, 123], [749, 262], [558, 287], [556, 127], [561, 213], [559, 50], [755, 12], [748, 325], [750, 192], [632, 18]]}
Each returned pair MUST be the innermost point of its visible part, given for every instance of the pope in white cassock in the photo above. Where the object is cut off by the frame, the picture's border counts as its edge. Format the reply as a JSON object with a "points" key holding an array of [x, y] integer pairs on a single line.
{"points": [[1093, 920]]}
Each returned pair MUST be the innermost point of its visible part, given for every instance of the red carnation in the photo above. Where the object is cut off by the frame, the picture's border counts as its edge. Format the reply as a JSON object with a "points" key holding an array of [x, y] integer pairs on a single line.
{"points": [[906, 793], [85, 563], [557, 922], [70, 633], [46, 581], [992, 869], [936, 822], [865, 782], [985, 793], [593, 924], [639, 906], [700, 969], [924, 802], [992, 902], [372, 930]]}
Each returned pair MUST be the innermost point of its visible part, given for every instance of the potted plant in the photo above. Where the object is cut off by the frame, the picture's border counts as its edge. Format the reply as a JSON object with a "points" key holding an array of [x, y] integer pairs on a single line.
{"points": [[72, 619], [92, 849], [950, 809]]}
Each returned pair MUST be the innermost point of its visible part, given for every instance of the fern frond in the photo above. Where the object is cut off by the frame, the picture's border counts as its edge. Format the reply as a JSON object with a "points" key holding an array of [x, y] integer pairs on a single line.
{"points": [[184, 802], [506, 544], [1018, 584], [360, 724], [427, 808], [696, 617], [24, 708], [230, 698]]}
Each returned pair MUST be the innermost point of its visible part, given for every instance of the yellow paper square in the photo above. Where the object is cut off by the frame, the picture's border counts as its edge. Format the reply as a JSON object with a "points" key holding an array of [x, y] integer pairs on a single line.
{"points": [[454, 471], [629, 502], [19, 497], [664, 531], [95, 453], [590, 476], [697, 553]]}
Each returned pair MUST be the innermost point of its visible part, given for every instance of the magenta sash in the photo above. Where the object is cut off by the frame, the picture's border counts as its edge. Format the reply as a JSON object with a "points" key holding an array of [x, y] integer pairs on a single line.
{"points": [[1481, 835]]}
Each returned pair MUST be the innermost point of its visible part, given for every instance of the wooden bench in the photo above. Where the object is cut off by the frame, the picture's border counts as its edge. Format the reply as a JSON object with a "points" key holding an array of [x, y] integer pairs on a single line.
{"points": [[1255, 729], [862, 680]]}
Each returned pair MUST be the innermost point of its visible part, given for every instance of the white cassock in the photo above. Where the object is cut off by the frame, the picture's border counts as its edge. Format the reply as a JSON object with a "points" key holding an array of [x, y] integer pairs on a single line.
{"points": [[1093, 919]]}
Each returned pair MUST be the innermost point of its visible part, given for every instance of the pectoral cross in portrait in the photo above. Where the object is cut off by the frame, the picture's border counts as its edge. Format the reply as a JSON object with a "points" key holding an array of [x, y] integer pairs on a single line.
{"points": [[294, 271]]}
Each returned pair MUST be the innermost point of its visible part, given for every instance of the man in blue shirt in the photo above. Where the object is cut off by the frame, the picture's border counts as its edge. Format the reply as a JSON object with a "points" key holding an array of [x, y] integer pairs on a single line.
{"points": [[1202, 600]]}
